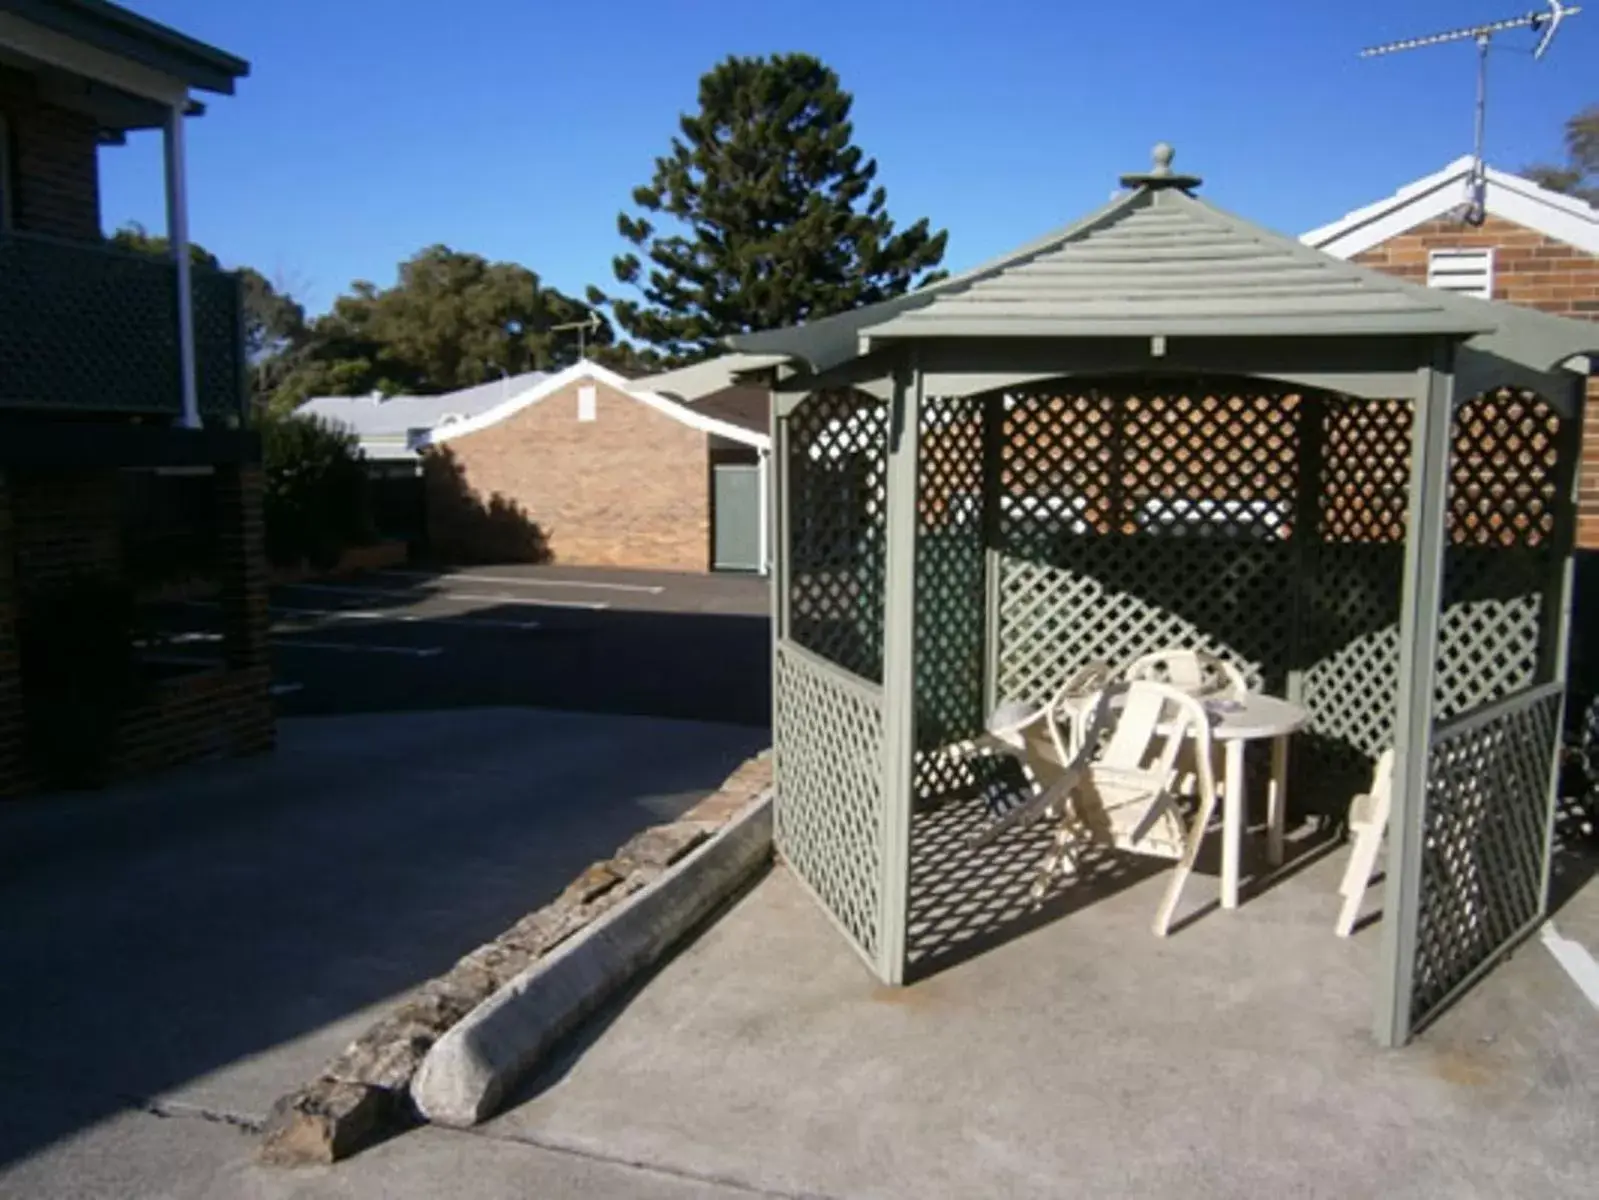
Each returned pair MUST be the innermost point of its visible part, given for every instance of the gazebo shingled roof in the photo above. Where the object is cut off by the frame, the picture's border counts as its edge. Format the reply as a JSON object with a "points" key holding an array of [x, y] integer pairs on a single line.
{"points": [[1158, 261]]}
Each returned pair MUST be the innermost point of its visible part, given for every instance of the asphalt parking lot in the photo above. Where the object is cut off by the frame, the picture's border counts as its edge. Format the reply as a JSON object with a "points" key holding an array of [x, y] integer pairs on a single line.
{"points": [[582, 640]]}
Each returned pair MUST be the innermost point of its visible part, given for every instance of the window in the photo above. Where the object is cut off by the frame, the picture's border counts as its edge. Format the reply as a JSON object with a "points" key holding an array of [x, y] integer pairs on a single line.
{"points": [[586, 406], [1469, 272]]}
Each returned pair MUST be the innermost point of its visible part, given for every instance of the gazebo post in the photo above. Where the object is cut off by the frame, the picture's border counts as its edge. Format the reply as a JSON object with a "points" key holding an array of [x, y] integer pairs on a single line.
{"points": [[1426, 534], [1555, 657], [899, 661], [992, 412]]}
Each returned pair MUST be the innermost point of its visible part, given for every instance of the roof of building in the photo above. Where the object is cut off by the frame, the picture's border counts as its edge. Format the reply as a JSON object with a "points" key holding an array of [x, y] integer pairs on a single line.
{"points": [[1509, 197], [399, 416], [703, 378], [1159, 262], [747, 405], [667, 406], [115, 30]]}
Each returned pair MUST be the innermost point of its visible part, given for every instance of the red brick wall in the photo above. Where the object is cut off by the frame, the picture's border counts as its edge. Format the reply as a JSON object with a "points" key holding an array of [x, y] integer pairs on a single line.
{"points": [[55, 163], [1531, 270], [12, 751], [58, 524], [630, 488]]}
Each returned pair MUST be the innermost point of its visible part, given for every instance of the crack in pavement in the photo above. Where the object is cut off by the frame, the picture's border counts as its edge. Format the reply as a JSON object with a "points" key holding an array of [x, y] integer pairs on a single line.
{"points": [[177, 1110], [725, 1181]]}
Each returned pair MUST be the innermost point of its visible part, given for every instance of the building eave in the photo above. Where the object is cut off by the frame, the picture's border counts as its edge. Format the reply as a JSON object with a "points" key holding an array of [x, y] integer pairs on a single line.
{"points": [[1509, 197], [115, 31]]}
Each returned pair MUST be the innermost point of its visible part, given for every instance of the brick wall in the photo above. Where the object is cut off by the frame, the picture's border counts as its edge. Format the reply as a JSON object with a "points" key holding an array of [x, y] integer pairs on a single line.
{"points": [[630, 488], [55, 163], [1531, 270], [55, 525], [12, 752]]}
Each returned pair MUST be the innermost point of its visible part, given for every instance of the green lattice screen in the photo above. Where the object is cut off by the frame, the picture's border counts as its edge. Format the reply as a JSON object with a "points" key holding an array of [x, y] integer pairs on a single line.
{"points": [[837, 539], [1350, 591], [951, 595], [218, 344], [1489, 792], [1500, 569], [1484, 841], [829, 815], [1142, 516], [82, 327]]}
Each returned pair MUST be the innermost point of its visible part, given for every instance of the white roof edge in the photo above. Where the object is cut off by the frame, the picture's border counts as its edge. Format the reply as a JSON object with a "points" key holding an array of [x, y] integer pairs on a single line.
{"points": [[590, 370], [1510, 197]]}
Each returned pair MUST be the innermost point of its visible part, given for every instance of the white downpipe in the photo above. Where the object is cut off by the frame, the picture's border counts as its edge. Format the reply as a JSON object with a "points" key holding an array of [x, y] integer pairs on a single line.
{"points": [[178, 242]]}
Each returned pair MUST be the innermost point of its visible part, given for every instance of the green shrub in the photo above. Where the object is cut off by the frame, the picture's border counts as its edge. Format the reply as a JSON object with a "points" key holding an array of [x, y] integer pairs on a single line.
{"points": [[315, 501]]}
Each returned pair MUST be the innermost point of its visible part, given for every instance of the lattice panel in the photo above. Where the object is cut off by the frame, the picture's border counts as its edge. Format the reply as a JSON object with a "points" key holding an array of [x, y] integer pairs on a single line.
{"points": [[87, 328], [1211, 462], [950, 593], [1501, 564], [218, 344], [1058, 456], [829, 814], [1483, 845], [837, 530], [1351, 590], [1138, 518]]}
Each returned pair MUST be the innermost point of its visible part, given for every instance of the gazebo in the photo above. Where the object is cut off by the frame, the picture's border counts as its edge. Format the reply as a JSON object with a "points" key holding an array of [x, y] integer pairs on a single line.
{"points": [[1166, 425]]}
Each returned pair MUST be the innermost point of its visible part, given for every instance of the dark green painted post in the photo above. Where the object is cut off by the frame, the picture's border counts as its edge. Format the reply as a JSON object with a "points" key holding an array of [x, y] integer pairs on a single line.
{"points": [[899, 654], [1426, 534]]}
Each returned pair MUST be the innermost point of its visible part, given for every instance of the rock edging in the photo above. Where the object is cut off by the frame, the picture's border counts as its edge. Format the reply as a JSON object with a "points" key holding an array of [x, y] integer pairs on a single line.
{"points": [[469, 1071], [364, 1094]]}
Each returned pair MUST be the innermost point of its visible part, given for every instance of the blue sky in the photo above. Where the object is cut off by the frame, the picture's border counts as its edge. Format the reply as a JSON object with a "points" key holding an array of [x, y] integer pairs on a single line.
{"points": [[516, 129]]}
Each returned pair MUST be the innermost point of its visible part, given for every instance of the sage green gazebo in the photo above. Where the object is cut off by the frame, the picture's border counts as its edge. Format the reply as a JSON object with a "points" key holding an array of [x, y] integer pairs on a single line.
{"points": [[1164, 425]]}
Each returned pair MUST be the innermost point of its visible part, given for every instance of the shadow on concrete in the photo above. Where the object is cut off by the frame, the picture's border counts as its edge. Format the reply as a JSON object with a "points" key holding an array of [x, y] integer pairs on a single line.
{"points": [[208, 935], [965, 900]]}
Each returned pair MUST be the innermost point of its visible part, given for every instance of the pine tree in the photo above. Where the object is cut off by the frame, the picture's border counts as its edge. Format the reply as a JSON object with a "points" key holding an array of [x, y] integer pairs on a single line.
{"points": [[769, 215], [1580, 175]]}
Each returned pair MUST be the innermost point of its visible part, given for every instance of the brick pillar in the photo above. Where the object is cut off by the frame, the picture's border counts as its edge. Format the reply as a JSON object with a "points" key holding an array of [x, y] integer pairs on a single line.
{"points": [[242, 572], [11, 716]]}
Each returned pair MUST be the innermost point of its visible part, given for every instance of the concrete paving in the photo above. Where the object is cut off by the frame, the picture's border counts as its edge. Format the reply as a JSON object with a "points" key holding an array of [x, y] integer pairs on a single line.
{"points": [[140, 1157], [1085, 1058], [201, 942]]}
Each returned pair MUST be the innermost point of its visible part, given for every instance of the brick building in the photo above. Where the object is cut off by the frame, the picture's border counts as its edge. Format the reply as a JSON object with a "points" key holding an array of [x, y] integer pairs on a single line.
{"points": [[121, 378], [1533, 247], [590, 468]]}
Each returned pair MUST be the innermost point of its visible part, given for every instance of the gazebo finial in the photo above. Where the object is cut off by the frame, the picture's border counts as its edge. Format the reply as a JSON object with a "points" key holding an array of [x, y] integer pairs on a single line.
{"points": [[1160, 174]]}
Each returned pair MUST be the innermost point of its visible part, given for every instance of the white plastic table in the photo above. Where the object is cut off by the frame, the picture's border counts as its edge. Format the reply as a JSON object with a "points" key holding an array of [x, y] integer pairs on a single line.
{"points": [[1234, 723]]}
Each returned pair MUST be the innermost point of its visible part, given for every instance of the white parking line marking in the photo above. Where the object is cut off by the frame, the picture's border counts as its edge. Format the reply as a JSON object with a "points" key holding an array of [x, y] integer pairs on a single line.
{"points": [[522, 581], [366, 614], [285, 689], [363, 648], [405, 595], [590, 605], [1574, 958]]}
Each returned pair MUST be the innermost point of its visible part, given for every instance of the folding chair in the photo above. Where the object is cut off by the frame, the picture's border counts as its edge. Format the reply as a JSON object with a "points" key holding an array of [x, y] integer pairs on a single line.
{"points": [[1368, 822]]}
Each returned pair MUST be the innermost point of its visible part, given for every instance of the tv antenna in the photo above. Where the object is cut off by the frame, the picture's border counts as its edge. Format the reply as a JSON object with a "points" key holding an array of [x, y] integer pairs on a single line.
{"points": [[589, 324], [1543, 24]]}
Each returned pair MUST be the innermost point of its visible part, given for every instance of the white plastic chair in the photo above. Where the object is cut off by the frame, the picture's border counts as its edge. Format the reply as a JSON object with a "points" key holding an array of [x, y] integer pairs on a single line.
{"points": [[1125, 795], [1046, 740], [1197, 672], [1368, 822]]}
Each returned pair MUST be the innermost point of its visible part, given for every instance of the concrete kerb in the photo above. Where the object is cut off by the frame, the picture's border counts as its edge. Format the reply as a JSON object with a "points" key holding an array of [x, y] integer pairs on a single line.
{"points": [[469, 1071]]}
